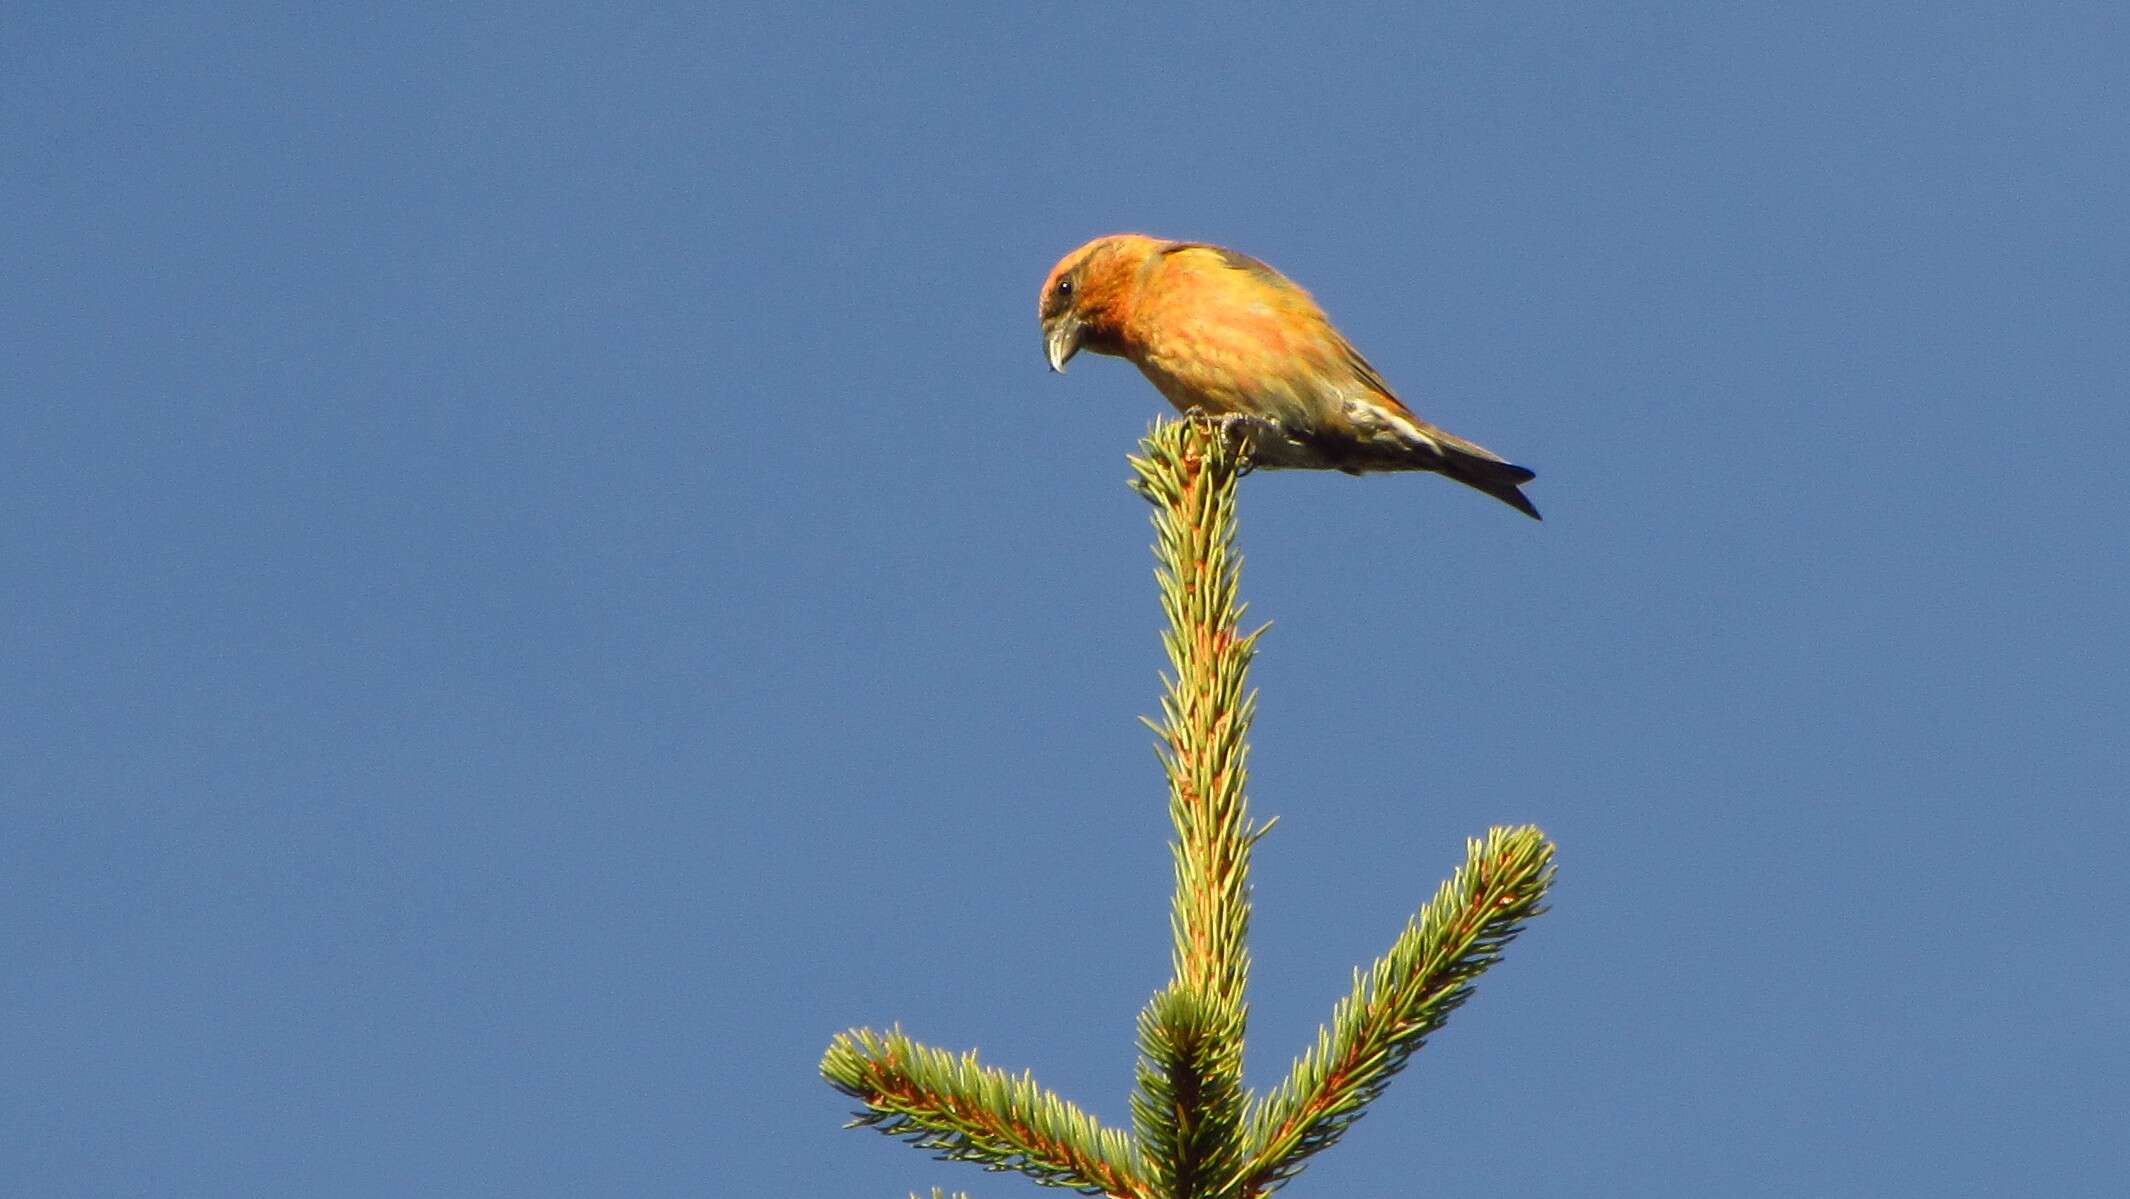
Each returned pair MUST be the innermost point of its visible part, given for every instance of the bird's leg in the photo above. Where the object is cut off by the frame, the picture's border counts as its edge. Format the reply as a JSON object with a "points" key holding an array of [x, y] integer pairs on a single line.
{"points": [[1238, 428], [1234, 426]]}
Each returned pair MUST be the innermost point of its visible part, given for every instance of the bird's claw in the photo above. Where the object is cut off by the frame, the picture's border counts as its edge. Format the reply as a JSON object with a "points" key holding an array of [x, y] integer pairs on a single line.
{"points": [[1236, 429]]}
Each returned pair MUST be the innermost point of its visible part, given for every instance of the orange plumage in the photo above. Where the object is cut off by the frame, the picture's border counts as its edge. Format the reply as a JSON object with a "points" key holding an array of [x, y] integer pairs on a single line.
{"points": [[1221, 333]]}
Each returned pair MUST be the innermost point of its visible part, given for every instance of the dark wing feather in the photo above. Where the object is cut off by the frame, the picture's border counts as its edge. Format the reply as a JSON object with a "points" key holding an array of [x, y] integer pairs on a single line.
{"points": [[1237, 260]]}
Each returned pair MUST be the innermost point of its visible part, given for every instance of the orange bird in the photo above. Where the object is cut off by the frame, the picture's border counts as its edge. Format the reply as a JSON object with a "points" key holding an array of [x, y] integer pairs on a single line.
{"points": [[1222, 333]]}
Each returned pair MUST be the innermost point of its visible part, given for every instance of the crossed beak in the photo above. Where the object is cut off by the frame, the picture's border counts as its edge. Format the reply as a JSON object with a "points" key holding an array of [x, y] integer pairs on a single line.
{"points": [[1061, 340]]}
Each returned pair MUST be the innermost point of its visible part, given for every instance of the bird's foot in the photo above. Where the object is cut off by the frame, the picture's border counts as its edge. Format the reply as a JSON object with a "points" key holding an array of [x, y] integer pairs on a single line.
{"points": [[1243, 432], [1239, 430]]}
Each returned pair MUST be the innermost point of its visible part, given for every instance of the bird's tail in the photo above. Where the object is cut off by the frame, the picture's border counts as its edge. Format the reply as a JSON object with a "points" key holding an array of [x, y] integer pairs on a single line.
{"points": [[1476, 467]]}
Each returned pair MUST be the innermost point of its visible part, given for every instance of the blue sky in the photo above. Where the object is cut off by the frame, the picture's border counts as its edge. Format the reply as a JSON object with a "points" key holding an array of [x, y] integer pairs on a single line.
{"points": [[546, 576]]}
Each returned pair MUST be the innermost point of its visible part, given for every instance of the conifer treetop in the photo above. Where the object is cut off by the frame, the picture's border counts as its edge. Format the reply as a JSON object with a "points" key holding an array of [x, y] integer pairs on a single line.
{"points": [[1197, 1132]]}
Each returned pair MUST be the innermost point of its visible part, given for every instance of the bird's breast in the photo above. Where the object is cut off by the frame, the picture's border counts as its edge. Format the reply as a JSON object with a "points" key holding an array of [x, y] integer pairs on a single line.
{"points": [[1218, 377]]}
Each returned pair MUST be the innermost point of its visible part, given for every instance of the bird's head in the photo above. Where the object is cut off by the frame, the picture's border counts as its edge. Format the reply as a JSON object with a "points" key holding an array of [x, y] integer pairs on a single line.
{"points": [[1087, 296]]}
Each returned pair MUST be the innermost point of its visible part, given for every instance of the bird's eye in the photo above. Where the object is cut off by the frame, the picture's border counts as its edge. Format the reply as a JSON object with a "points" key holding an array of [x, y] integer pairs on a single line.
{"points": [[1064, 287]]}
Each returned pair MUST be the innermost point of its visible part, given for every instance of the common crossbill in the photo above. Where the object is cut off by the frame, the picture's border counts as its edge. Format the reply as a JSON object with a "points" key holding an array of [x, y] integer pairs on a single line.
{"points": [[1223, 334]]}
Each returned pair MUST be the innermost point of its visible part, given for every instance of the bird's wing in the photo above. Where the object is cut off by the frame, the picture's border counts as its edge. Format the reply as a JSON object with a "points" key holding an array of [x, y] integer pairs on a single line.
{"points": [[1237, 260], [1366, 372], [1373, 380], [1215, 297], [1362, 369]]}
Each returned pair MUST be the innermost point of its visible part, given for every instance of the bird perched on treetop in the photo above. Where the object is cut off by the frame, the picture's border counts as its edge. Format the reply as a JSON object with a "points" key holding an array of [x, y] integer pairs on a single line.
{"points": [[1224, 334]]}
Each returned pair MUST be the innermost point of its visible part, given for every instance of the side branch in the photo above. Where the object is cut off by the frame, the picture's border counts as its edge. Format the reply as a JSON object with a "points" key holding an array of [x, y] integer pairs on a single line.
{"points": [[966, 1111], [1411, 991]]}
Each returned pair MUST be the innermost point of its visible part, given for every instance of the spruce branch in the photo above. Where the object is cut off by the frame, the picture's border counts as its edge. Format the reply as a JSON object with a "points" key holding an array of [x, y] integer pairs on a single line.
{"points": [[963, 1110], [1197, 1132], [1409, 993], [1189, 1107], [1190, 1102], [1189, 472]]}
